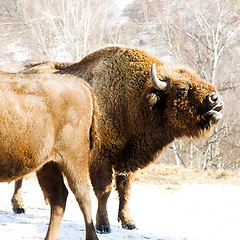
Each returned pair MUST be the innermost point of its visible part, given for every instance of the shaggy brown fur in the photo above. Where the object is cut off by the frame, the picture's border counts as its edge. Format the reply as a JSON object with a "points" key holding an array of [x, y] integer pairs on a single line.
{"points": [[43, 67], [137, 120], [47, 122]]}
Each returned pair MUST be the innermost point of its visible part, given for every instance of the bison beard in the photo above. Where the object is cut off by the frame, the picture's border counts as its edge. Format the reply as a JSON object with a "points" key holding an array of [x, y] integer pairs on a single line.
{"points": [[141, 113]]}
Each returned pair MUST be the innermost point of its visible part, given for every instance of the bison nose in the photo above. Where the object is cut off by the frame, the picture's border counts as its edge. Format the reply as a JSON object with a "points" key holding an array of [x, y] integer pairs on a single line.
{"points": [[215, 101]]}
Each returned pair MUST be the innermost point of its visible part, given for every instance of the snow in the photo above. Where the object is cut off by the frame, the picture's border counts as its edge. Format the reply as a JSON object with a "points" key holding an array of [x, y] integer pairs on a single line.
{"points": [[121, 5], [20, 52], [117, 8], [196, 212]]}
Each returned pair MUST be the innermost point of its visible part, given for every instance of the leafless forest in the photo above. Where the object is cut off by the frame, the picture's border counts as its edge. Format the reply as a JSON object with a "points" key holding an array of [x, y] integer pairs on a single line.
{"points": [[204, 35]]}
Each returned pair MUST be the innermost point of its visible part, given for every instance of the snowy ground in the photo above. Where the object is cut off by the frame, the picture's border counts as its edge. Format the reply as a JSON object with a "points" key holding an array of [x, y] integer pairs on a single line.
{"points": [[196, 212]]}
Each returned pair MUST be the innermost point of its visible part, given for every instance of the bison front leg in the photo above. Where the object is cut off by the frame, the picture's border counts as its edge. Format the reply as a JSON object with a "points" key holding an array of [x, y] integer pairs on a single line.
{"points": [[17, 202], [51, 181], [123, 184]]}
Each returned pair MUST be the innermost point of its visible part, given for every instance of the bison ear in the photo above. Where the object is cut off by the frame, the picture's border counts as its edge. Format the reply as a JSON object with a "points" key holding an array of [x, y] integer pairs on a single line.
{"points": [[153, 100]]}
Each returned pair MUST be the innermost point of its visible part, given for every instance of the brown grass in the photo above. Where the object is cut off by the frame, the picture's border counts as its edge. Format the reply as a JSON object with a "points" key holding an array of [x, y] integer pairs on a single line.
{"points": [[172, 177]]}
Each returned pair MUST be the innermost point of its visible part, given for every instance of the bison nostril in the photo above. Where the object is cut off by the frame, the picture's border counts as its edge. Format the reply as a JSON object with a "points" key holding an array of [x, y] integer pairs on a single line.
{"points": [[213, 99]]}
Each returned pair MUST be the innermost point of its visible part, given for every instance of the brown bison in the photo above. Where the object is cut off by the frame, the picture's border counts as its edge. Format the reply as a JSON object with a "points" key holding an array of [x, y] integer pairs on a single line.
{"points": [[144, 106], [48, 125]]}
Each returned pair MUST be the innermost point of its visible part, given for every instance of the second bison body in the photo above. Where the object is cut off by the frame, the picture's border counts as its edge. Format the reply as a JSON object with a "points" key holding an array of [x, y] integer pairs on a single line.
{"points": [[47, 124]]}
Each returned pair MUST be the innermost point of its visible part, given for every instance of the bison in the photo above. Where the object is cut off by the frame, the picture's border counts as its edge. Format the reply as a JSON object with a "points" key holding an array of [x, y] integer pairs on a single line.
{"points": [[48, 125], [144, 105]]}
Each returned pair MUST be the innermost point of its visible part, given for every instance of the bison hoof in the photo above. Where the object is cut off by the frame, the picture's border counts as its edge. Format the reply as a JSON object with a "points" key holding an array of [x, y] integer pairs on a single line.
{"points": [[129, 226], [103, 229], [19, 210]]}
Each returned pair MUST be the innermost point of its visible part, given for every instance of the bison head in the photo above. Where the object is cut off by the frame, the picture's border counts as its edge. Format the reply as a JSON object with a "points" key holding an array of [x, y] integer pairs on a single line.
{"points": [[187, 105]]}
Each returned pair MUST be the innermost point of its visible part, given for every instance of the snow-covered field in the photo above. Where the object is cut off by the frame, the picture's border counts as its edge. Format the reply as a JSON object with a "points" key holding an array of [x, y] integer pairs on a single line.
{"points": [[196, 212]]}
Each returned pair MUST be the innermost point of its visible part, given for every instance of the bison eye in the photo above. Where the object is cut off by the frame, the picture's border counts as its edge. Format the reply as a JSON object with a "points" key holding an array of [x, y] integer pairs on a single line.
{"points": [[181, 93]]}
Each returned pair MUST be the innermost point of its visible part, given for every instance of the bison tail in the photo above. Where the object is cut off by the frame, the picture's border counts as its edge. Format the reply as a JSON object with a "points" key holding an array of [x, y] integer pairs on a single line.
{"points": [[95, 141]]}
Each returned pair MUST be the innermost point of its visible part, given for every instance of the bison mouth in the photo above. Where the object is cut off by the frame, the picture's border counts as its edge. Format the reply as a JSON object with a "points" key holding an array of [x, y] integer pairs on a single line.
{"points": [[214, 115]]}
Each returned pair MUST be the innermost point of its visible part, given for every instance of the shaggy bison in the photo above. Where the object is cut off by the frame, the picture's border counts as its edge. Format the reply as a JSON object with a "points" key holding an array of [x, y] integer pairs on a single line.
{"points": [[144, 106], [48, 125]]}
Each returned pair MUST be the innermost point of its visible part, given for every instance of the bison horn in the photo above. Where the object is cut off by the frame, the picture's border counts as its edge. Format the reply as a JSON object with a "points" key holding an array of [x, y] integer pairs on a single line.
{"points": [[156, 82]]}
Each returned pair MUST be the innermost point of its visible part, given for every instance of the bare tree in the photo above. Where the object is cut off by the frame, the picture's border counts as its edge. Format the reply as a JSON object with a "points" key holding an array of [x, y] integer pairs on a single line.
{"points": [[204, 35], [65, 29]]}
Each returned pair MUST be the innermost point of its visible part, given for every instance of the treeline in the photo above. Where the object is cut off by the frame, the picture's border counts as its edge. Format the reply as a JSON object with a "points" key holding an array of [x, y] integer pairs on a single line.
{"points": [[202, 34]]}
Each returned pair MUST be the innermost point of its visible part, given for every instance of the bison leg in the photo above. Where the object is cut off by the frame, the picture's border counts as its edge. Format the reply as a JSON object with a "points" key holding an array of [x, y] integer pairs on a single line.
{"points": [[80, 186], [51, 181], [123, 184], [17, 202], [101, 178]]}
